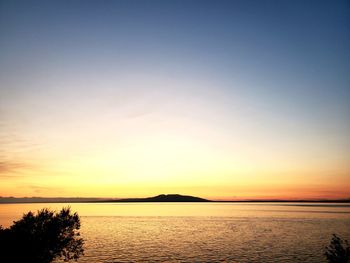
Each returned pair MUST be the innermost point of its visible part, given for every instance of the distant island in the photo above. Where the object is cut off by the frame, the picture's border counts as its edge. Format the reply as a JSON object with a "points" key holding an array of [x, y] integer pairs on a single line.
{"points": [[158, 198], [164, 198]]}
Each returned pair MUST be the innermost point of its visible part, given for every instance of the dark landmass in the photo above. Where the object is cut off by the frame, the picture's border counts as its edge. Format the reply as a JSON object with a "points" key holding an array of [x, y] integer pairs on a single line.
{"points": [[158, 198], [164, 198], [285, 201], [10, 200]]}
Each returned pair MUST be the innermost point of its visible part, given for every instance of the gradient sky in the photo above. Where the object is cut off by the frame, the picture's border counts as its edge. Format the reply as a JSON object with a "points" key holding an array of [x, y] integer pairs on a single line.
{"points": [[219, 99]]}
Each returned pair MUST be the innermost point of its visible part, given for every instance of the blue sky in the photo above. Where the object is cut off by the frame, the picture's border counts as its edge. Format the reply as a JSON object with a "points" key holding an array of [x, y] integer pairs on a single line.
{"points": [[250, 75]]}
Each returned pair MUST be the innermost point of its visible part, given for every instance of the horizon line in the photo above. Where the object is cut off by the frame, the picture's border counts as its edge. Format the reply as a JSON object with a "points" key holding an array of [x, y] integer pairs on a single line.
{"points": [[139, 199]]}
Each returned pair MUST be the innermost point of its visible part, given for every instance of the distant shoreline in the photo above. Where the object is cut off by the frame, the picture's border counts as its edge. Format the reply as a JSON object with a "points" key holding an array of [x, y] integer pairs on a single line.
{"points": [[171, 198], [116, 201]]}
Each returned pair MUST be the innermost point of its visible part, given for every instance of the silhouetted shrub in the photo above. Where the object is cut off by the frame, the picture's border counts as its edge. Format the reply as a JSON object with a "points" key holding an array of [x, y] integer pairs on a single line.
{"points": [[41, 238], [338, 251]]}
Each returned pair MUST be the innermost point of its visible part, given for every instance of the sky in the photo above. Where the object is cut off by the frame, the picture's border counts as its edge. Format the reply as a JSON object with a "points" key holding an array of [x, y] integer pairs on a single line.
{"points": [[218, 99]]}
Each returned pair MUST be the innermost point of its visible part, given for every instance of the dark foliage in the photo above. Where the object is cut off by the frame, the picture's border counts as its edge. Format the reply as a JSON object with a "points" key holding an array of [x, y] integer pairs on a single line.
{"points": [[338, 251], [42, 237]]}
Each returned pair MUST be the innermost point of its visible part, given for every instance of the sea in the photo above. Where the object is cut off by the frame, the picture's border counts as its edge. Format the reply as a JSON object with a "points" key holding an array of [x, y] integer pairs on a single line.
{"points": [[201, 232]]}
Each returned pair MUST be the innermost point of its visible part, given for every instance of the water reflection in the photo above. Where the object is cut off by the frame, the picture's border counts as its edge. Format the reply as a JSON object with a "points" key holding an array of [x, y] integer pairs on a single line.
{"points": [[10, 212], [202, 232]]}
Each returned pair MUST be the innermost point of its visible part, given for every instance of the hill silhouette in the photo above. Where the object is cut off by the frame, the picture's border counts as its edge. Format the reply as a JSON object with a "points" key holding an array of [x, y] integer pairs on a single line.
{"points": [[161, 198], [165, 198]]}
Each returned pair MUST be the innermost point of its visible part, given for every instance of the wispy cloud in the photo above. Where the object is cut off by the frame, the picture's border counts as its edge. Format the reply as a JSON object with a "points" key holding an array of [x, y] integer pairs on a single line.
{"points": [[10, 166], [10, 169], [15, 151], [37, 189]]}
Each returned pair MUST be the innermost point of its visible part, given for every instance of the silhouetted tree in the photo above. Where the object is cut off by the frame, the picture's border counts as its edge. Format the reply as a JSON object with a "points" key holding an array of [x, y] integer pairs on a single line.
{"points": [[41, 238], [338, 251]]}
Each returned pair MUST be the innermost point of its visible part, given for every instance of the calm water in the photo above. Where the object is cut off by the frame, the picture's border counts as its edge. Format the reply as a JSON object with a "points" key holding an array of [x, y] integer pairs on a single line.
{"points": [[198, 232]]}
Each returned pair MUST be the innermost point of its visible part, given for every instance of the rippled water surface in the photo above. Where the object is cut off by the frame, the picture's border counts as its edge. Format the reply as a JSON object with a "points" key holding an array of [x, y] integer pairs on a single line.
{"points": [[198, 232]]}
